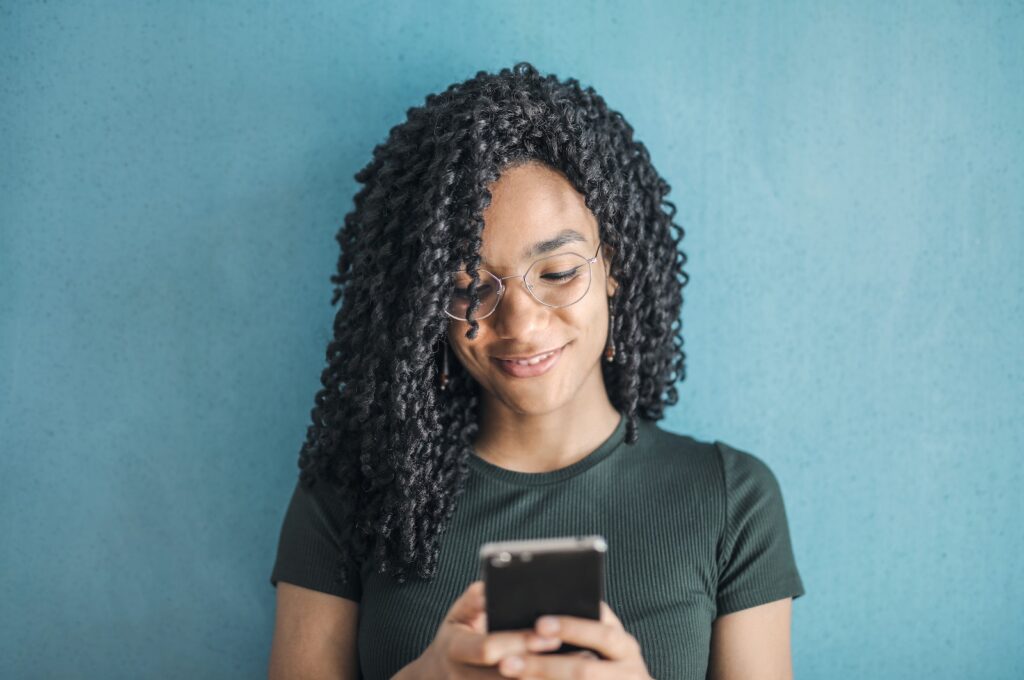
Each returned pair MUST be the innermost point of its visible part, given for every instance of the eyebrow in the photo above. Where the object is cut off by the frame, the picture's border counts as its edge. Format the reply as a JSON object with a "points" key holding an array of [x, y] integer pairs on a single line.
{"points": [[564, 237]]}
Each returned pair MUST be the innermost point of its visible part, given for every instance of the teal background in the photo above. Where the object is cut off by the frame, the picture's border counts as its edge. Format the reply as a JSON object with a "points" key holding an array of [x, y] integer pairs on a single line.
{"points": [[850, 179]]}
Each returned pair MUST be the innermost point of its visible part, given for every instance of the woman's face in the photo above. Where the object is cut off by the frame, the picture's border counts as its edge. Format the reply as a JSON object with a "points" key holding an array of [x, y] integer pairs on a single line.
{"points": [[530, 204]]}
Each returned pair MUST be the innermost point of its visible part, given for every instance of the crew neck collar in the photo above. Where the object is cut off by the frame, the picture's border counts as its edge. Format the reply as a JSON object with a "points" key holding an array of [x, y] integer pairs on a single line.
{"points": [[605, 449]]}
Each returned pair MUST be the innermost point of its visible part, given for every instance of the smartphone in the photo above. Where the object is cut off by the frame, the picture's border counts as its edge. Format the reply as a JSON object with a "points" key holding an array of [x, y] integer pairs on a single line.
{"points": [[526, 579]]}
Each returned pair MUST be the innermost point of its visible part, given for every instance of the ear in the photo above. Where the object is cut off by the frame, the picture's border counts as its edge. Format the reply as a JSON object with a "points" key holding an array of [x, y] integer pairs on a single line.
{"points": [[611, 284]]}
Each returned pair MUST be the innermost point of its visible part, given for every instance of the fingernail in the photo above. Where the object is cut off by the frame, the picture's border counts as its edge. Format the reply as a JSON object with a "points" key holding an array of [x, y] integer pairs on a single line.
{"points": [[513, 664], [547, 624]]}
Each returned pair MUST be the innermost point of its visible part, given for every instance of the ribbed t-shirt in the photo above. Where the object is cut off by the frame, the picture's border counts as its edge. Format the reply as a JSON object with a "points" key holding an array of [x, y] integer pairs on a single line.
{"points": [[695, 530]]}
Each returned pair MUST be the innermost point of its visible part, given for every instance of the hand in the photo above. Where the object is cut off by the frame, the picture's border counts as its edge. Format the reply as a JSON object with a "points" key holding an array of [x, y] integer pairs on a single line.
{"points": [[462, 648], [621, 651]]}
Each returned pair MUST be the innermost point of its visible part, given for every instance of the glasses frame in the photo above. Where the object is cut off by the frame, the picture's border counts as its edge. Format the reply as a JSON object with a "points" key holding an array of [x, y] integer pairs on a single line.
{"points": [[502, 287]]}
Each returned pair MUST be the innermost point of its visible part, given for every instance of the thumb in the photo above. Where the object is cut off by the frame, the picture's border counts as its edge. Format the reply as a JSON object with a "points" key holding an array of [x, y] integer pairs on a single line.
{"points": [[469, 605]]}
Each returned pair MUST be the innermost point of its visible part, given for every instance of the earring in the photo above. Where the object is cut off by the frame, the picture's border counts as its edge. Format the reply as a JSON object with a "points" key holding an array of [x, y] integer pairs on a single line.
{"points": [[444, 368], [609, 349]]}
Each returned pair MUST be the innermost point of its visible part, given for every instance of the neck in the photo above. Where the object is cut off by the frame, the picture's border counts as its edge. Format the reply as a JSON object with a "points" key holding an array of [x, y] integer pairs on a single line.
{"points": [[542, 441]]}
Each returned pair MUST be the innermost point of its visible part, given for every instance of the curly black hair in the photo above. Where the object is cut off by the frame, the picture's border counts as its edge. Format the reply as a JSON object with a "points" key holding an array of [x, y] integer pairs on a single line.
{"points": [[391, 446]]}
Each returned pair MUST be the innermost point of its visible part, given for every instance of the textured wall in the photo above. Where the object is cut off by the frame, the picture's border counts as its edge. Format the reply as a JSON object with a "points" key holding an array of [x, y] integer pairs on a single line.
{"points": [[172, 175]]}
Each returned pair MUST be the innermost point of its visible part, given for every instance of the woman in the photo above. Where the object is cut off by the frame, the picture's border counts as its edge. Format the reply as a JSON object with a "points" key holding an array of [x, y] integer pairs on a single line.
{"points": [[508, 337]]}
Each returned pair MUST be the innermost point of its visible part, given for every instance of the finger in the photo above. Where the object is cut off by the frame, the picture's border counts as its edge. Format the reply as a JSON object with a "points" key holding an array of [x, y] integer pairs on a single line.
{"points": [[608, 640], [559, 667], [608, 616], [488, 649], [586, 654], [468, 605]]}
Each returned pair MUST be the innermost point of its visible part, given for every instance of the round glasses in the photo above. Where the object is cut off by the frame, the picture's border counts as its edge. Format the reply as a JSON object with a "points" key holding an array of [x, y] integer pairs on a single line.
{"points": [[554, 281]]}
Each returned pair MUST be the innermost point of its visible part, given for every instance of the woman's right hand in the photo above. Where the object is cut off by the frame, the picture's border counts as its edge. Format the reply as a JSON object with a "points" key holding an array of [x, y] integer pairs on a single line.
{"points": [[462, 647]]}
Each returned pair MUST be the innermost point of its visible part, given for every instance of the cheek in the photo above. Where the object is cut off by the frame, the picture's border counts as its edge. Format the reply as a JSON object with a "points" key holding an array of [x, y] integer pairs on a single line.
{"points": [[591, 321], [468, 353]]}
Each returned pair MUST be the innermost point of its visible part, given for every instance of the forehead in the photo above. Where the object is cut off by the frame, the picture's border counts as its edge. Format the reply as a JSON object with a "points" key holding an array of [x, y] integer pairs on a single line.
{"points": [[534, 211]]}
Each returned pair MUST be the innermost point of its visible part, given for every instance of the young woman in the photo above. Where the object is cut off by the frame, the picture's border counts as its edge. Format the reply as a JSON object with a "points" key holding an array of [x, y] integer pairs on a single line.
{"points": [[509, 335]]}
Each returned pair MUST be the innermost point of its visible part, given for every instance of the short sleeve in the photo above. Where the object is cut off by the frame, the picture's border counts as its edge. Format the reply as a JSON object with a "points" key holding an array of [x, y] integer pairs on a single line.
{"points": [[309, 551], [756, 563]]}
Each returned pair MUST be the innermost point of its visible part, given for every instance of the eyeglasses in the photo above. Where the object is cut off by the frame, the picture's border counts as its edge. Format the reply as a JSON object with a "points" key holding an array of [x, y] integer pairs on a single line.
{"points": [[554, 281]]}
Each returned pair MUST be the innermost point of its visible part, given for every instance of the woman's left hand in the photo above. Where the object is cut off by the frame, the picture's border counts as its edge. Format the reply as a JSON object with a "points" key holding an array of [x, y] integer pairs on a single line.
{"points": [[621, 651]]}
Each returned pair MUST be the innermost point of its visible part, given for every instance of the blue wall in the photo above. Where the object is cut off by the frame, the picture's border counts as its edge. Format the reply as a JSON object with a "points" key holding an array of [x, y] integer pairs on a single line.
{"points": [[172, 176]]}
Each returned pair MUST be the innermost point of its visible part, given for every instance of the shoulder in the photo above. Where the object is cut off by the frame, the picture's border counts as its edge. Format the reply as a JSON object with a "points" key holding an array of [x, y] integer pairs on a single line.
{"points": [[666, 443], [744, 472], [726, 467], [755, 554], [678, 450], [319, 500], [683, 461]]}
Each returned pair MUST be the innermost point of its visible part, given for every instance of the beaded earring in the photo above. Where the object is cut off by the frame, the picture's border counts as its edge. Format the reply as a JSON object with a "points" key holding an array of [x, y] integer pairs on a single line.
{"points": [[609, 349], [444, 368]]}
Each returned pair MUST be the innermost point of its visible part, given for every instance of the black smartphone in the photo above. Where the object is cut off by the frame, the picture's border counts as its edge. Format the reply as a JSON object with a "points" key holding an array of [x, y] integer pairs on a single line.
{"points": [[526, 579]]}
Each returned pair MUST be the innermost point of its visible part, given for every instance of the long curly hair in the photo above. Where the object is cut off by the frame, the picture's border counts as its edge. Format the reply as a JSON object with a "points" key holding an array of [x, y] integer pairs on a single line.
{"points": [[391, 446]]}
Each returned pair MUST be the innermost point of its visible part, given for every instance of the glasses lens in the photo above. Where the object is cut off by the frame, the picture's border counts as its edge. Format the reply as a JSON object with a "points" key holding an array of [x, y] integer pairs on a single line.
{"points": [[486, 291], [559, 280]]}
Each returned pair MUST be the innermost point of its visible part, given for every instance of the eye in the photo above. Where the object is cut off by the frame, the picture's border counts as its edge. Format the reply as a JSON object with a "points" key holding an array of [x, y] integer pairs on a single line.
{"points": [[561, 276]]}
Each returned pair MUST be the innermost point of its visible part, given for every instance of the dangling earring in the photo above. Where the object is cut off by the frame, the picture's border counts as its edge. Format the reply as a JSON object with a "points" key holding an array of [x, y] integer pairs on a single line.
{"points": [[444, 368], [609, 349]]}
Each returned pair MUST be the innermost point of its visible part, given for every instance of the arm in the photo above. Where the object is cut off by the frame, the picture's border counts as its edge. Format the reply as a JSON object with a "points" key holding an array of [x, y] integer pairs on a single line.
{"points": [[314, 636], [753, 643]]}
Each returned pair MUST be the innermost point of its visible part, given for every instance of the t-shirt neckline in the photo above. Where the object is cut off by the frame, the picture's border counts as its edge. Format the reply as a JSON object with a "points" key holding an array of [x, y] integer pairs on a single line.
{"points": [[605, 449]]}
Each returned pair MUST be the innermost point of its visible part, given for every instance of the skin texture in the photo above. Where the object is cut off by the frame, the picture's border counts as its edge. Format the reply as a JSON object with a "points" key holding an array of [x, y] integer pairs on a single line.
{"points": [[753, 643], [550, 421], [314, 635]]}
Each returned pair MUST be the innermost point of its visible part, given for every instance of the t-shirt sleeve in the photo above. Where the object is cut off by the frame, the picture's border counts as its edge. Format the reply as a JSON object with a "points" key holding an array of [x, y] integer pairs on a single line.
{"points": [[309, 550], [756, 563]]}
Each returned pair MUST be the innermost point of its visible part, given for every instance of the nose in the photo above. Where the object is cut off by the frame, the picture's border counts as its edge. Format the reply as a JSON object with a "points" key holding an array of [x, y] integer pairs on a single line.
{"points": [[519, 314]]}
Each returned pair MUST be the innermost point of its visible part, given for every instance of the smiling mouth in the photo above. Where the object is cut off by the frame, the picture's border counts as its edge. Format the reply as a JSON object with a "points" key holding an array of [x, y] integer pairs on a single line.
{"points": [[535, 359], [532, 367]]}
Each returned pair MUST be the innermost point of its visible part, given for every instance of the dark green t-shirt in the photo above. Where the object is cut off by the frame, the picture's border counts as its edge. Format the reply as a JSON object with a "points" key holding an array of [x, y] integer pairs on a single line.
{"points": [[695, 531]]}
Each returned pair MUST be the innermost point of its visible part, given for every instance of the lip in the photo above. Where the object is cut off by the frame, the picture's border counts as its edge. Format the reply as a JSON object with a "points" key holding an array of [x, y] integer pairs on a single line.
{"points": [[520, 371], [555, 349]]}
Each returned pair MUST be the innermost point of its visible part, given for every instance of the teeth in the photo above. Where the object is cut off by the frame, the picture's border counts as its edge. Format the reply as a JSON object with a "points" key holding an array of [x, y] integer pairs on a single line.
{"points": [[531, 362]]}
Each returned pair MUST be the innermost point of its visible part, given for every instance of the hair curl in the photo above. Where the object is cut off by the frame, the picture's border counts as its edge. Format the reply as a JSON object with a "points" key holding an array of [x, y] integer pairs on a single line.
{"points": [[394, 449]]}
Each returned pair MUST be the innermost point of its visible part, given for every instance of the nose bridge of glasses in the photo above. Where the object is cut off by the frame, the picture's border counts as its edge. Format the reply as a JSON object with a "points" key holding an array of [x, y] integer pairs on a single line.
{"points": [[503, 288]]}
